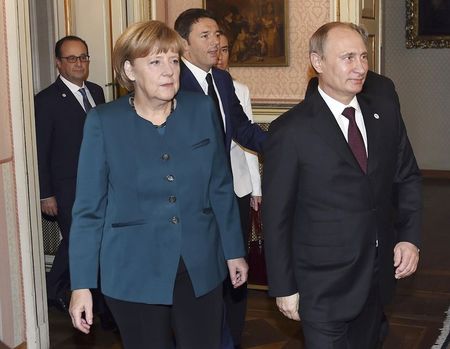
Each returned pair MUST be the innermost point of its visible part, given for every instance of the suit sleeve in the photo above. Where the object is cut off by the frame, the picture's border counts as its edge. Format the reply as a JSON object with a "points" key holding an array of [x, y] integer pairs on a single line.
{"points": [[408, 189], [407, 181], [244, 132], [88, 213], [44, 135], [221, 194], [281, 171]]}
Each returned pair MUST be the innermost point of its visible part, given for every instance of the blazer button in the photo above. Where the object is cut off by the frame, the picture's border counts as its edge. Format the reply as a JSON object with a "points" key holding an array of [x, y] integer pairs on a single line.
{"points": [[174, 220], [172, 199], [170, 178], [165, 157]]}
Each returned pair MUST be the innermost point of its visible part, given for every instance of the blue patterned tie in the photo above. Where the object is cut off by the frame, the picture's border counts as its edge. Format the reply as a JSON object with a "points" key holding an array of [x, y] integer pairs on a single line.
{"points": [[87, 105], [355, 140]]}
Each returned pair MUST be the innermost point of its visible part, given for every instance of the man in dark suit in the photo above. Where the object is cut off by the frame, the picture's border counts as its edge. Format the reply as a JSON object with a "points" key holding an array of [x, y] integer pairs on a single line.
{"points": [[342, 207], [374, 85], [60, 111], [201, 35]]}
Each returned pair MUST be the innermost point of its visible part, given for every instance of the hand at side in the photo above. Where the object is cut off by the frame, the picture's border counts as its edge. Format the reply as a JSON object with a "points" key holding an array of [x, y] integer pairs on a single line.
{"points": [[80, 310], [238, 270], [289, 306]]}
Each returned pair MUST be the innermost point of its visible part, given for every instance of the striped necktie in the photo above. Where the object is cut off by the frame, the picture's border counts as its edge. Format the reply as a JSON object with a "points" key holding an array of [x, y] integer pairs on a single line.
{"points": [[87, 105]]}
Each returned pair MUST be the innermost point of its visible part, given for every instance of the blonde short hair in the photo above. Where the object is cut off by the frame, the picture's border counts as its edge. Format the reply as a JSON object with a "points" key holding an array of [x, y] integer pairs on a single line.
{"points": [[319, 38], [140, 39]]}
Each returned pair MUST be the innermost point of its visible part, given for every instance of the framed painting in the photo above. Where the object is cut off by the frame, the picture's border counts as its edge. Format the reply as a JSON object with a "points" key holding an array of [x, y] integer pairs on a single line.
{"points": [[427, 23], [256, 30]]}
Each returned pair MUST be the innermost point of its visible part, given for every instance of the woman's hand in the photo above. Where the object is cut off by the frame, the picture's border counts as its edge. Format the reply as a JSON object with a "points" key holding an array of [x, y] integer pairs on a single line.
{"points": [[80, 309], [238, 269]]}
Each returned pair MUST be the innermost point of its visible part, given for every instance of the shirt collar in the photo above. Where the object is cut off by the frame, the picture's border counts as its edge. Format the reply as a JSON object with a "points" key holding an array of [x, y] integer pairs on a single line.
{"points": [[337, 107], [72, 87]]}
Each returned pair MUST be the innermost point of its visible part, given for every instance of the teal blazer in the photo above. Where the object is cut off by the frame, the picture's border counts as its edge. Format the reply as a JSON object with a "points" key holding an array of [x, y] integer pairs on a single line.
{"points": [[145, 198]]}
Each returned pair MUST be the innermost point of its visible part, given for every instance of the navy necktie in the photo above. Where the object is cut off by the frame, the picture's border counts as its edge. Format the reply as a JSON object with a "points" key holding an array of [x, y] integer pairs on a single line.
{"points": [[87, 105], [213, 95], [355, 140]]}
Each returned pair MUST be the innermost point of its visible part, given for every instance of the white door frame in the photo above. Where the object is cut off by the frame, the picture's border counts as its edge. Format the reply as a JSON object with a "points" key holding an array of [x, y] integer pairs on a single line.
{"points": [[25, 162]]}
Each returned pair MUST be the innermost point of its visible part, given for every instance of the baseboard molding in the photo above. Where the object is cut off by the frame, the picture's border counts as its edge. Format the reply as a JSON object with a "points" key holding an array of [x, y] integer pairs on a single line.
{"points": [[435, 174], [20, 346]]}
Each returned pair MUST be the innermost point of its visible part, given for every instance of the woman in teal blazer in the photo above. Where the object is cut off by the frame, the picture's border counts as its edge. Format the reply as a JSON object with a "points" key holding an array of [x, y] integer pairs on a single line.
{"points": [[155, 213]]}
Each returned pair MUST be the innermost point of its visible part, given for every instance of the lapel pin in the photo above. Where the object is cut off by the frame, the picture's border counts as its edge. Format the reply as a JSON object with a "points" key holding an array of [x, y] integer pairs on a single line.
{"points": [[376, 116], [64, 95]]}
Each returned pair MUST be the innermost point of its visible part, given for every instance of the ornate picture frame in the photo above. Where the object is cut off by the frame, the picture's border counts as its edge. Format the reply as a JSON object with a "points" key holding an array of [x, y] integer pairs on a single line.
{"points": [[256, 31], [427, 24]]}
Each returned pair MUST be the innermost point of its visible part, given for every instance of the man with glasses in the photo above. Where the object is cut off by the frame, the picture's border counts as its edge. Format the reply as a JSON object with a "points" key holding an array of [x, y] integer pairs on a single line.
{"points": [[60, 111]]}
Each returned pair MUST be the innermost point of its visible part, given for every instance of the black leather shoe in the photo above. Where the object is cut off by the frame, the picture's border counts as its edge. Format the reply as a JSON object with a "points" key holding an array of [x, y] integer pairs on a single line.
{"points": [[60, 304]]}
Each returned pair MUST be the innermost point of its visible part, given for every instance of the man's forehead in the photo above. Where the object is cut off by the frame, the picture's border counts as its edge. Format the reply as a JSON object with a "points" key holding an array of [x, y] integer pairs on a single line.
{"points": [[344, 40]]}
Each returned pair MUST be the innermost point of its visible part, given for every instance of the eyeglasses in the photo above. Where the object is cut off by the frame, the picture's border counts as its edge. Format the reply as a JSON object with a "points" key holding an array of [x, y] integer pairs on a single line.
{"points": [[73, 59]]}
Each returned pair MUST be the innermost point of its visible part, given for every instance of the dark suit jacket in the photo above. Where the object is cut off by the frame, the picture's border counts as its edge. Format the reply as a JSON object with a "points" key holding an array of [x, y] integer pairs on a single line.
{"points": [[238, 126], [322, 215], [59, 121], [144, 200]]}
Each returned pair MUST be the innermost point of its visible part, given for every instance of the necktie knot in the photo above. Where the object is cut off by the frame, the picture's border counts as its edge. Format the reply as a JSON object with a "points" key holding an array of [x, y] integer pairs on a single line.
{"points": [[349, 113], [87, 105]]}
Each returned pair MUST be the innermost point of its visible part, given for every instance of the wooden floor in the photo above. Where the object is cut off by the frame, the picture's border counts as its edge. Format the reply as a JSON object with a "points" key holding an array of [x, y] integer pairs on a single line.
{"points": [[415, 316]]}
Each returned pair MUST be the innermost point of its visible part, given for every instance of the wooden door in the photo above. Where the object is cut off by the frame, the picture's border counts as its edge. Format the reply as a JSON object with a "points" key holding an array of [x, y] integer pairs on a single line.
{"points": [[367, 13]]}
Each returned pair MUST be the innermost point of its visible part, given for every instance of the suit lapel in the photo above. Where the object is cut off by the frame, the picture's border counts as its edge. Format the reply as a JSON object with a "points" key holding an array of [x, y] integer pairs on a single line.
{"points": [[96, 93], [324, 123], [188, 82], [372, 125], [226, 108], [67, 96]]}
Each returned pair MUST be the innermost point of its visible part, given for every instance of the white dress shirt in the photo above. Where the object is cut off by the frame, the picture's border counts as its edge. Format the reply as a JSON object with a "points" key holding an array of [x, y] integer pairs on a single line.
{"points": [[337, 108], [200, 76], [75, 89]]}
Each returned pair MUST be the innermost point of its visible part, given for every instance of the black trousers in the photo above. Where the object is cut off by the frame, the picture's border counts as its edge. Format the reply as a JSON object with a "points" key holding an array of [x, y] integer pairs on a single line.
{"points": [[58, 278], [189, 323], [236, 299], [362, 332]]}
